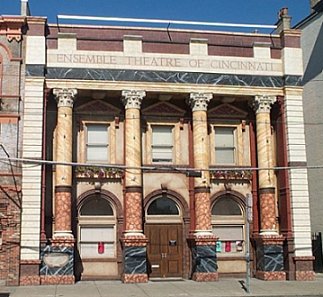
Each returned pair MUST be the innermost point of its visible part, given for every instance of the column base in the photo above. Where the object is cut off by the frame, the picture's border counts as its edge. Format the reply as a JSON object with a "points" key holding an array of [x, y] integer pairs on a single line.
{"points": [[271, 276], [270, 257], [29, 273], [205, 276], [135, 258], [57, 265], [304, 268], [204, 260], [57, 280], [134, 278]]}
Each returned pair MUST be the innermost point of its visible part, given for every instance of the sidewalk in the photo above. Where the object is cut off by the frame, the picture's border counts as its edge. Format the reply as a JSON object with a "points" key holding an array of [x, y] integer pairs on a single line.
{"points": [[185, 288]]}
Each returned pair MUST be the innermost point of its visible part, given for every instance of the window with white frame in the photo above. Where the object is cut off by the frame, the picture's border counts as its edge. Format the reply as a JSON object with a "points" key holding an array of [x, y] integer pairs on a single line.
{"points": [[97, 143], [97, 229], [225, 145], [162, 144], [228, 225]]}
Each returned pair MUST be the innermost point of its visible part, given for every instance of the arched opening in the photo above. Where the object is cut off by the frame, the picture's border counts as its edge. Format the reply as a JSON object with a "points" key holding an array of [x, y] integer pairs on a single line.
{"points": [[97, 243], [164, 231], [228, 224]]}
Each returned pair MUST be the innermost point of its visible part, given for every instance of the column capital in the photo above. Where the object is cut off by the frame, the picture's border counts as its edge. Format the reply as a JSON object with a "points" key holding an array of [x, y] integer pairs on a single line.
{"points": [[262, 103], [132, 98], [65, 97], [199, 101]]}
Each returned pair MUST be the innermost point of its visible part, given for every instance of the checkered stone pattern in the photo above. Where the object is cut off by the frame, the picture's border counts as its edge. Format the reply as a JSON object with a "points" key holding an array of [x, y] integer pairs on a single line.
{"points": [[133, 206], [202, 211], [63, 211]]}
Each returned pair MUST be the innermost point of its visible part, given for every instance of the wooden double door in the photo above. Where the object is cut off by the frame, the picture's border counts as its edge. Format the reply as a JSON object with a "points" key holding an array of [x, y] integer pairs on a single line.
{"points": [[165, 250]]}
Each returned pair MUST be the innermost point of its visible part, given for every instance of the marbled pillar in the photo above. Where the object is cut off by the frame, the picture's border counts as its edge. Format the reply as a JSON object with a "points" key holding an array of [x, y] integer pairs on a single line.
{"points": [[62, 244], [269, 242], [134, 241], [203, 240]]}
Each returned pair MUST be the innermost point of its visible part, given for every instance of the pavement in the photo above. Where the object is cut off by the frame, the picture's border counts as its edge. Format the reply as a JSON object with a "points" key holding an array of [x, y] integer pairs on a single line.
{"points": [[184, 288]]}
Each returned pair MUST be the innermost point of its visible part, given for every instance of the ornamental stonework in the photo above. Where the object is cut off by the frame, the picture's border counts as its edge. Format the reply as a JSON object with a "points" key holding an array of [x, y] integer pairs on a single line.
{"points": [[199, 101], [65, 97], [262, 103], [132, 98]]}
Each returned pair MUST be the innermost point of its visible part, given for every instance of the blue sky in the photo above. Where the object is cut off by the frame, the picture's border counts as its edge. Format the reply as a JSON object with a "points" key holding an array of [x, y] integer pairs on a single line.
{"points": [[230, 11]]}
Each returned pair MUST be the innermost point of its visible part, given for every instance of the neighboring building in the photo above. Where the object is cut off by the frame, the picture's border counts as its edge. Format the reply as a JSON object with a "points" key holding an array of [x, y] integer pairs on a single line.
{"points": [[312, 45], [11, 79], [142, 146]]}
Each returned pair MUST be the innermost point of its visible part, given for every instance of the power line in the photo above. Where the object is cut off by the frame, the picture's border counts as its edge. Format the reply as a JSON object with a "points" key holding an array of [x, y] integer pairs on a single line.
{"points": [[160, 167]]}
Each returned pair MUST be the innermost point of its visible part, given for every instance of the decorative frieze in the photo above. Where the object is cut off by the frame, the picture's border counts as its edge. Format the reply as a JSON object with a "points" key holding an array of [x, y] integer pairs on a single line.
{"points": [[98, 172]]}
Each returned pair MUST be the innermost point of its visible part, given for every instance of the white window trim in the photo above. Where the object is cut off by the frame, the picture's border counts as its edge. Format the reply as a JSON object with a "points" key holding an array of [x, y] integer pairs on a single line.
{"points": [[237, 134], [85, 141], [149, 146]]}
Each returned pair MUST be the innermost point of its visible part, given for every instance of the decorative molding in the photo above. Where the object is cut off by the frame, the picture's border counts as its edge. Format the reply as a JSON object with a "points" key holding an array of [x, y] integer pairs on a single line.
{"points": [[65, 97], [231, 175], [99, 173], [199, 101], [98, 106], [11, 26], [163, 108], [226, 110], [132, 98], [177, 77]]}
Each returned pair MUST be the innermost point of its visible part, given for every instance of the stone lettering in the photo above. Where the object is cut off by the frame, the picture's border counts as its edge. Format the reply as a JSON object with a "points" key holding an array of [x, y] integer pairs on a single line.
{"points": [[215, 64]]}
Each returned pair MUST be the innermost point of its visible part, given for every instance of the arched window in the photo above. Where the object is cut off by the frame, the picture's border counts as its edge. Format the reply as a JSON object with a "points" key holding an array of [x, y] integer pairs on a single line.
{"points": [[163, 209], [163, 206], [228, 224], [96, 207], [97, 229]]}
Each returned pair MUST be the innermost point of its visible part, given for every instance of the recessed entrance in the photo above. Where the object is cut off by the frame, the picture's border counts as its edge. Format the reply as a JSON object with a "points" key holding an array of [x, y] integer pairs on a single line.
{"points": [[164, 231], [165, 249]]}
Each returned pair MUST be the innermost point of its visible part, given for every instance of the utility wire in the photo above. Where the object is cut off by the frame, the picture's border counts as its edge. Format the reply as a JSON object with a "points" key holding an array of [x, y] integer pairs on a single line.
{"points": [[160, 167]]}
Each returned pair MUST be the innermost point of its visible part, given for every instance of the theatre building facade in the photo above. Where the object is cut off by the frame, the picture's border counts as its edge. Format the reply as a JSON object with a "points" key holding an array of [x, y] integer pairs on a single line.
{"points": [[148, 148]]}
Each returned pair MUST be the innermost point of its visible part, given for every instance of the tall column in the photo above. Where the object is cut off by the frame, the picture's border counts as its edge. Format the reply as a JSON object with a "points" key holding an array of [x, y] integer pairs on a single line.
{"points": [[134, 241], [58, 257], [203, 240], [269, 248]]}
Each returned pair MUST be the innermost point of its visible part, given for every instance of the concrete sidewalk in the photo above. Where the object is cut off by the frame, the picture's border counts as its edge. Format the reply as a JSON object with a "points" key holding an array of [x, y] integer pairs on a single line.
{"points": [[185, 288]]}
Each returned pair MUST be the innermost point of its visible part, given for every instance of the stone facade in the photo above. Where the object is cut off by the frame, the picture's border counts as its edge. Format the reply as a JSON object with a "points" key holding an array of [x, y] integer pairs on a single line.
{"points": [[151, 148]]}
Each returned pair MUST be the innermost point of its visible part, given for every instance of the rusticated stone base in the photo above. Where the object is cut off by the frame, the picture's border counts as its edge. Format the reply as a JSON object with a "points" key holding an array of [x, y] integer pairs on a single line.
{"points": [[57, 280], [205, 276], [305, 275], [304, 268], [29, 273], [271, 275], [33, 280], [135, 278]]}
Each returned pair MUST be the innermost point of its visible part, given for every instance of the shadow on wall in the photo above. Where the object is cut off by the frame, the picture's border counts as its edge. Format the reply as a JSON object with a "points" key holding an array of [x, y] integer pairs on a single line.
{"points": [[315, 64]]}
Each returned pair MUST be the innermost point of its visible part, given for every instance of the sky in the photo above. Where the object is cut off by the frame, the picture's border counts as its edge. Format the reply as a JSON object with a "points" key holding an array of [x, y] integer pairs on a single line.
{"points": [[231, 11]]}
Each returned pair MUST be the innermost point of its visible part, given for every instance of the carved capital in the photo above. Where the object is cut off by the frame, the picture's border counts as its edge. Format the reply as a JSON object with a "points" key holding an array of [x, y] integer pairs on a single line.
{"points": [[262, 103], [199, 101], [65, 97], [132, 98]]}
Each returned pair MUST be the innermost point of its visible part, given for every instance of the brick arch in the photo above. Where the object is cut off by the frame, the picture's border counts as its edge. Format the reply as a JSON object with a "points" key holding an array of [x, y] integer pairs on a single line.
{"points": [[107, 195], [7, 51], [172, 195]]}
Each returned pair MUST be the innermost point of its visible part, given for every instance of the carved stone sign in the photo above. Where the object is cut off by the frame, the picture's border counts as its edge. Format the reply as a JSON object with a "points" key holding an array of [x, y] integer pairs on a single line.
{"points": [[211, 63]]}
